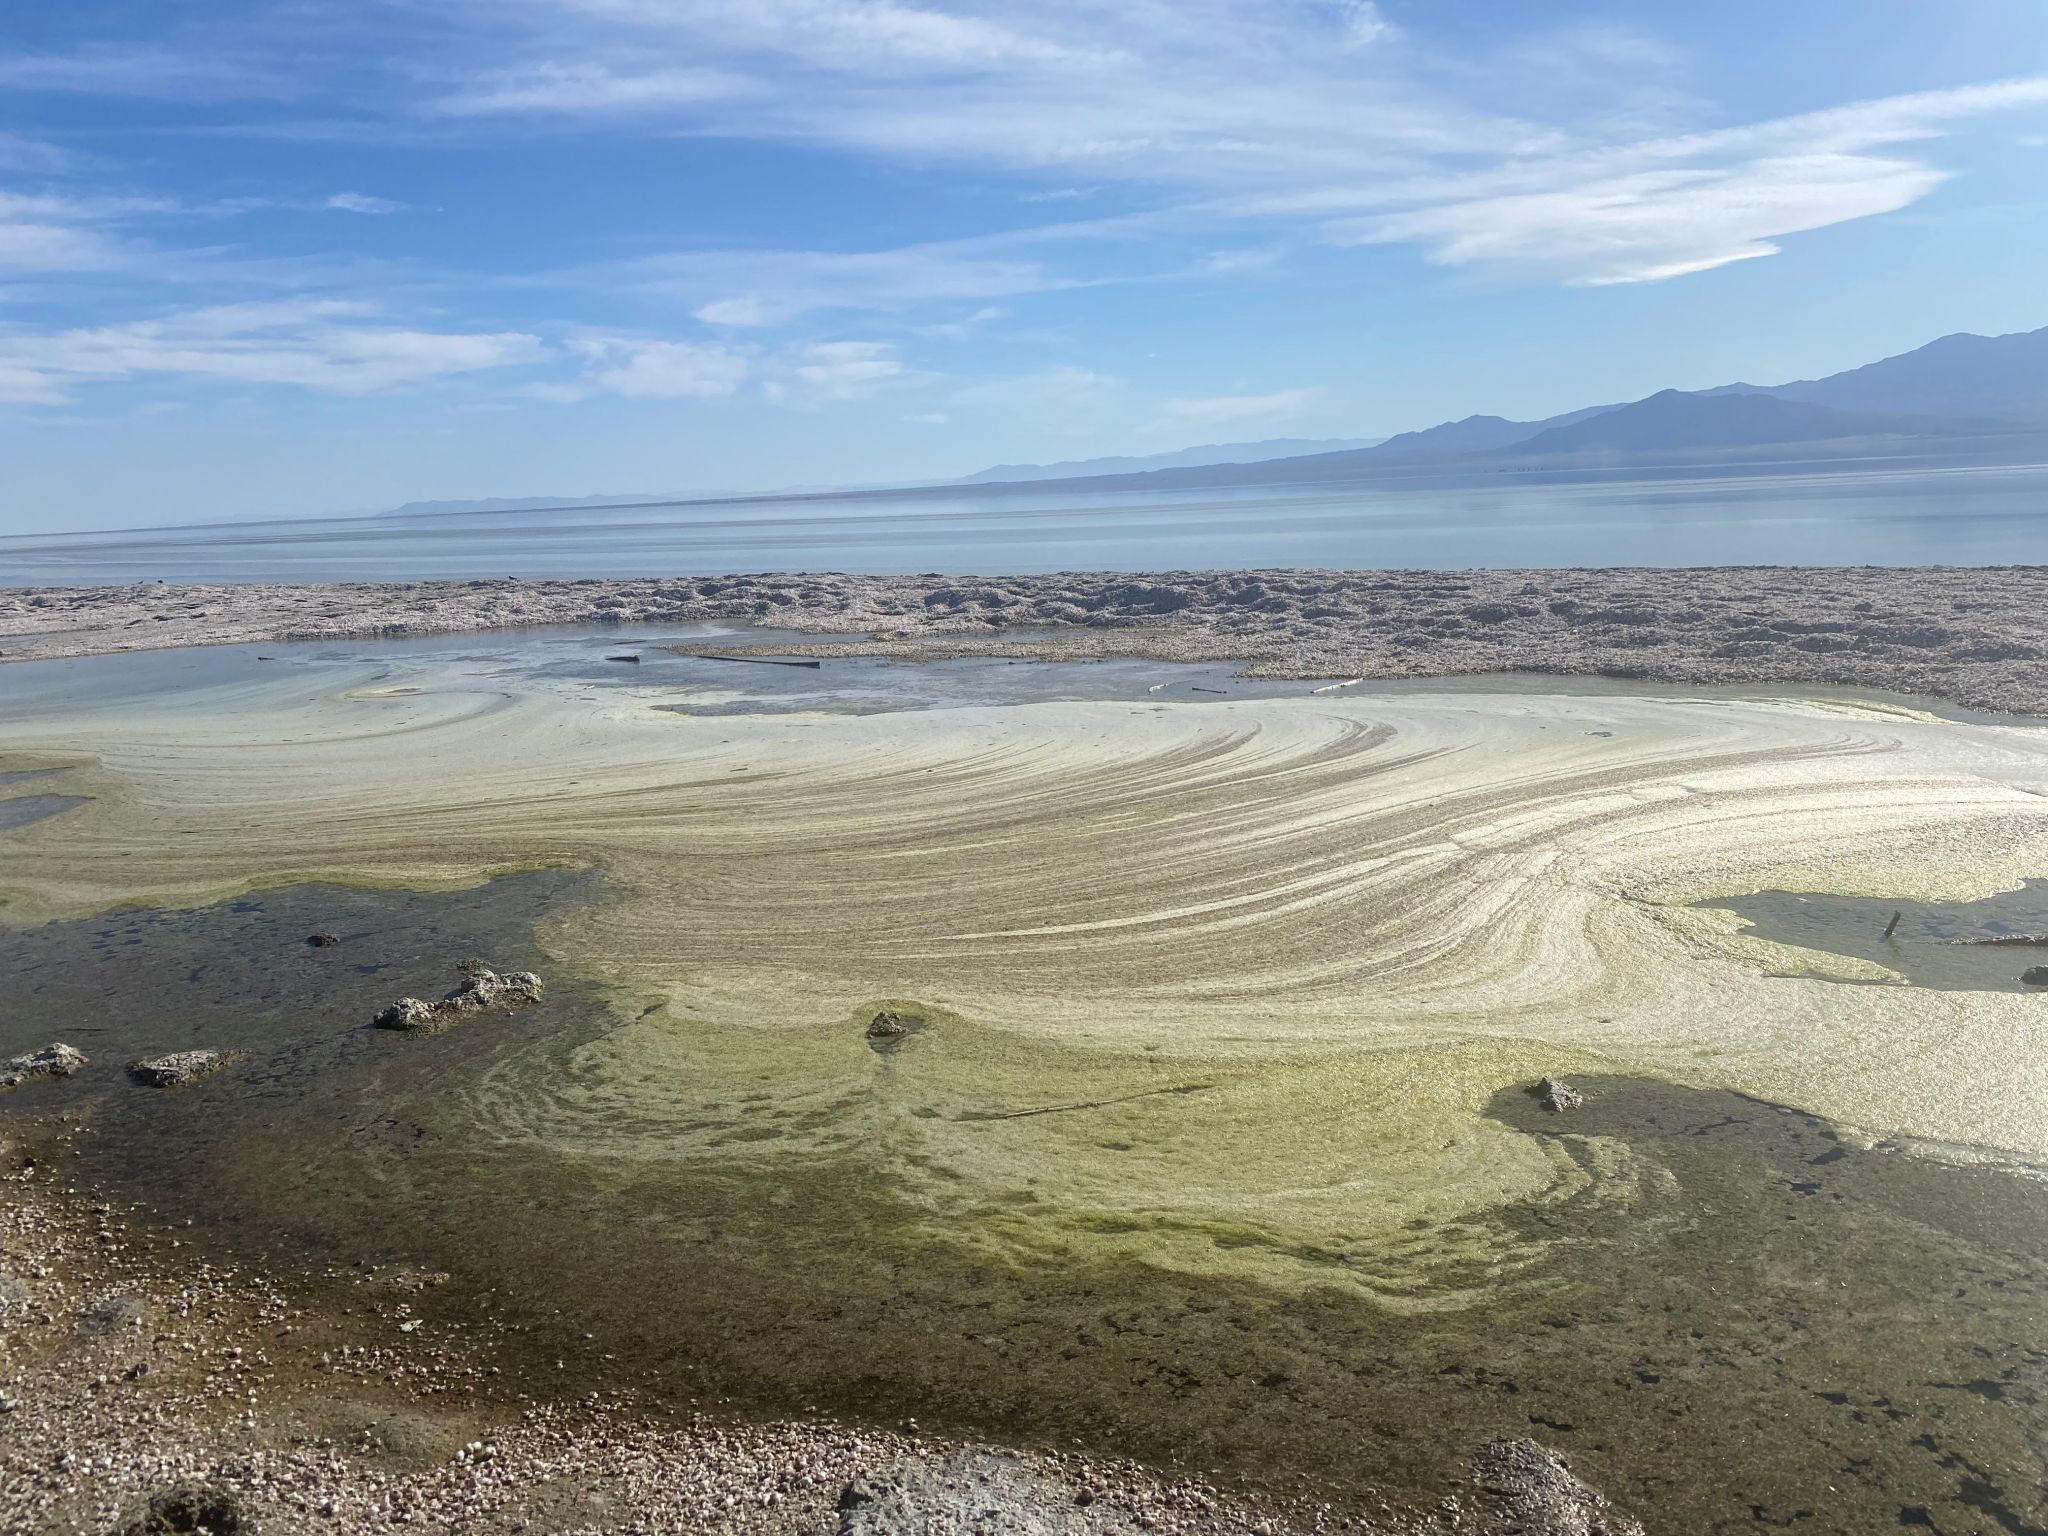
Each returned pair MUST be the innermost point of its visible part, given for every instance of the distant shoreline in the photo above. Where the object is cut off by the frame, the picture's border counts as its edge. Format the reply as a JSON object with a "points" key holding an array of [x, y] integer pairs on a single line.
{"points": [[1972, 635]]}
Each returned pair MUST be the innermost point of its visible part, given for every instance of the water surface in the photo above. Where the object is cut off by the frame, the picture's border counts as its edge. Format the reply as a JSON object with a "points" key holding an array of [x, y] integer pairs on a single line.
{"points": [[1897, 513]]}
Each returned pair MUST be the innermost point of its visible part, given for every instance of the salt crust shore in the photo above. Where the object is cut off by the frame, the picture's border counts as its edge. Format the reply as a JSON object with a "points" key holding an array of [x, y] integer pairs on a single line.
{"points": [[132, 1367], [1975, 636]]}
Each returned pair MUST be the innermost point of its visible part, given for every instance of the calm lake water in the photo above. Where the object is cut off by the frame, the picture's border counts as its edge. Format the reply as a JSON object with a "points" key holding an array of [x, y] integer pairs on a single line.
{"points": [[1897, 514]]}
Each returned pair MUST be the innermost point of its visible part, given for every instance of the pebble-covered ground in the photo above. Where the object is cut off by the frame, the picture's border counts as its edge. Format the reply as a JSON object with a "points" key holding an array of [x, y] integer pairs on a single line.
{"points": [[145, 1389], [1975, 636]]}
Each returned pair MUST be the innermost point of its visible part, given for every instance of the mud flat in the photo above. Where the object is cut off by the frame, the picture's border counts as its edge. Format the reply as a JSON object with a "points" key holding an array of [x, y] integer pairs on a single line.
{"points": [[1213, 1144], [1971, 635]]}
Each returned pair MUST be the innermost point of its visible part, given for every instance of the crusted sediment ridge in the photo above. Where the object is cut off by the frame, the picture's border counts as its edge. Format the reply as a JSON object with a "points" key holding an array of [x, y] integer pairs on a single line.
{"points": [[1971, 635]]}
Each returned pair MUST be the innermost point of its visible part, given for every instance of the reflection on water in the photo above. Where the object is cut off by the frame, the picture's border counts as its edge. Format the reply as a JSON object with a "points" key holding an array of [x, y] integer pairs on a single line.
{"points": [[1932, 944], [1703, 1348], [1901, 514]]}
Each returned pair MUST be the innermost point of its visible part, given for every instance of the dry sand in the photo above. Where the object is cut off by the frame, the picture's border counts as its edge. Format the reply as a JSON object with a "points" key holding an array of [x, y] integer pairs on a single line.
{"points": [[1975, 636]]}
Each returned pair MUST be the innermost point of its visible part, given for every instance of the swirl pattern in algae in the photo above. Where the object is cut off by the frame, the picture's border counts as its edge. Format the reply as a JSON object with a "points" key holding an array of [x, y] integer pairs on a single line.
{"points": [[1220, 1005]]}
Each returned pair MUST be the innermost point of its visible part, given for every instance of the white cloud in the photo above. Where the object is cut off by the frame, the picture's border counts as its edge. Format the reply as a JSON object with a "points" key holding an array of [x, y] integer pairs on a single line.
{"points": [[201, 75], [1543, 154], [741, 311], [844, 370], [762, 288], [360, 202], [590, 87], [21, 153], [326, 346], [1213, 409], [662, 370], [1671, 207], [1066, 399]]}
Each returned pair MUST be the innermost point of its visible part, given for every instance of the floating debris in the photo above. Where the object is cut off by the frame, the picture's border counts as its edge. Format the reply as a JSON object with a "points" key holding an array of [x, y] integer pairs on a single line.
{"points": [[764, 661]]}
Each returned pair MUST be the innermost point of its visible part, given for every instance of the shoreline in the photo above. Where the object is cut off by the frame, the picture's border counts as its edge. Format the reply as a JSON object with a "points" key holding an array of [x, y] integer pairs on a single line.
{"points": [[1969, 635], [141, 1376]]}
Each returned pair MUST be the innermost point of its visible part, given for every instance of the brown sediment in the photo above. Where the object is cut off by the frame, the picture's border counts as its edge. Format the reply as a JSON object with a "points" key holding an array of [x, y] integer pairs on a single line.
{"points": [[1970, 635]]}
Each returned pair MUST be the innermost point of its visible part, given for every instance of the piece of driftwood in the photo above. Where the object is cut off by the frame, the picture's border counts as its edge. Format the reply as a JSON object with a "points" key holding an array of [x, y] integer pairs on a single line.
{"points": [[765, 661]]}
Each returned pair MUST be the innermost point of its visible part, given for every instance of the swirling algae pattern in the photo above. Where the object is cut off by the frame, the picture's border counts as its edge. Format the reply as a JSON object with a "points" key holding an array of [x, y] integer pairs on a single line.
{"points": [[1220, 986]]}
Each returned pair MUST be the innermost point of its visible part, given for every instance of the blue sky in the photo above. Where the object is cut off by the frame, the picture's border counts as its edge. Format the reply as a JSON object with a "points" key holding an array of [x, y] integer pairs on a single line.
{"points": [[283, 257]]}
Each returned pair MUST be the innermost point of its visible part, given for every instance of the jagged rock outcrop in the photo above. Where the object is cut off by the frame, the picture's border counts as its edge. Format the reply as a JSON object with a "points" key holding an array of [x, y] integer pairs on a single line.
{"points": [[54, 1060], [182, 1067], [1557, 1096], [483, 991]]}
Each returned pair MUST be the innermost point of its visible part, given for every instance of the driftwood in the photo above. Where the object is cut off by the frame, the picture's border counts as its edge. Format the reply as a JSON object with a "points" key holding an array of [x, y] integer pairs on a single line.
{"points": [[765, 661]]}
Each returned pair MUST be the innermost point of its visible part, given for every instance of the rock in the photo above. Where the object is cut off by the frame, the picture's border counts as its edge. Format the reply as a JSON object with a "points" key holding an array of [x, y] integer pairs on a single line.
{"points": [[123, 1309], [1558, 1096], [323, 940], [12, 1292], [188, 1509], [408, 1014], [980, 1491], [482, 991], [2035, 976], [55, 1060], [887, 1030], [182, 1067], [1527, 1489]]}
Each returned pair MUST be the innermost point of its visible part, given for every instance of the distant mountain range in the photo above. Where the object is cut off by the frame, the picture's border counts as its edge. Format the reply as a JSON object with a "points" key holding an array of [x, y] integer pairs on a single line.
{"points": [[1984, 397], [1183, 458]]}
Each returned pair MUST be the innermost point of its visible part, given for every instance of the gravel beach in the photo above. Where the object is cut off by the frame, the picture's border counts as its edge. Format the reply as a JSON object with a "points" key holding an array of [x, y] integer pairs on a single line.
{"points": [[146, 1389], [1974, 636]]}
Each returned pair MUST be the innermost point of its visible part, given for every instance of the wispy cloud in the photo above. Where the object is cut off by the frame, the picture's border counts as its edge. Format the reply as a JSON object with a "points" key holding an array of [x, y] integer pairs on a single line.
{"points": [[1212, 410], [839, 370], [331, 346], [1550, 162], [361, 202], [661, 370], [168, 74], [1675, 206], [35, 157], [760, 288]]}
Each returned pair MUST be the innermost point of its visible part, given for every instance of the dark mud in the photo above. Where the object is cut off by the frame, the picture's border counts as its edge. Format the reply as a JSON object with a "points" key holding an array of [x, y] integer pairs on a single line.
{"points": [[1774, 1329], [1935, 944]]}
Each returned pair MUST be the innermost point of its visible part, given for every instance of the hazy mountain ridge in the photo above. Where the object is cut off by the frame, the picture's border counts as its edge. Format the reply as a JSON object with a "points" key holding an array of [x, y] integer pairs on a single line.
{"points": [[1959, 393], [1181, 458]]}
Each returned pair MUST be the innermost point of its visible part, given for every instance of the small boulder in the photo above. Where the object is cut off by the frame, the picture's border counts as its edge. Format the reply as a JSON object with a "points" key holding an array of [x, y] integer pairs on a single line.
{"points": [[322, 940], [483, 991], [2035, 976], [53, 1061], [889, 1026], [1558, 1096], [182, 1067]]}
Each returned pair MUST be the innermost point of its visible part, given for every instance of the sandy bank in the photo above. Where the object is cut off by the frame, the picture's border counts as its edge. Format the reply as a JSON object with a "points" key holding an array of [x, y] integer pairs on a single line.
{"points": [[1972, 635]]}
